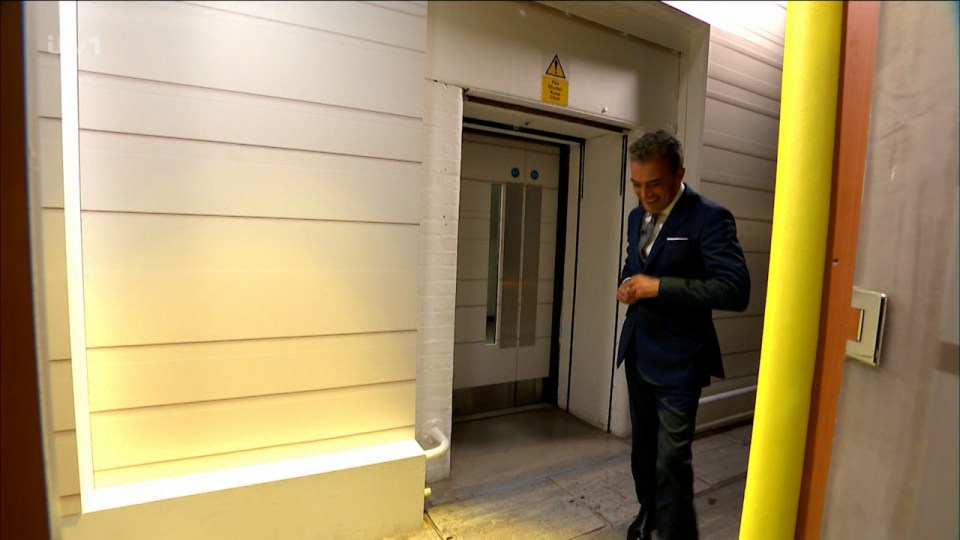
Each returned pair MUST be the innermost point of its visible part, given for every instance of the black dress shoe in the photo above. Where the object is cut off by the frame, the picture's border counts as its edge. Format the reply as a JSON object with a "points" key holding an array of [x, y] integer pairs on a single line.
{"points": [[642, 527]]}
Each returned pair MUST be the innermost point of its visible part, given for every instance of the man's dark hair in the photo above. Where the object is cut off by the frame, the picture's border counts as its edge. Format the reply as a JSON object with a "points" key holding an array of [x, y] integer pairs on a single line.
{"points": [[657, 145]]}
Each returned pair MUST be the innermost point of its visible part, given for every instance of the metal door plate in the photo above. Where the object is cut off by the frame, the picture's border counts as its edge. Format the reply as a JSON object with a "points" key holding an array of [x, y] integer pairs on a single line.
{"points": [[873, 308]]}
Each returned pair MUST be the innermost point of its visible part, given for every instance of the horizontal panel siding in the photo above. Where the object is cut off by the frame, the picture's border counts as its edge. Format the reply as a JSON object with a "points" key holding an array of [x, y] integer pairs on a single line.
{"points": [[746, 203], [61, 391], [65, 455], [758, 265], [125, 475], [734, 169], [132, 377], [412, 7], [152, 279], [754, 236], [730, 65], [51, 162], [247, 169], [140, 436], [178, 43], [739, 334], [731, 127], [729, 384], [148, 174], [115, 104], [56, 315], [348, 18], [741, 364]]}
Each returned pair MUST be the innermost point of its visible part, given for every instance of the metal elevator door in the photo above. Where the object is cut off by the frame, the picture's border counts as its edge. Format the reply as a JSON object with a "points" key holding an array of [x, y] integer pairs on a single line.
{"points": [[506, 251]]}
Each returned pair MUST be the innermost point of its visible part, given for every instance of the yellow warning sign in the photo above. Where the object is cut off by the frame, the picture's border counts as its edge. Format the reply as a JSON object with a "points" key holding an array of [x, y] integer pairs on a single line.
{"points": [[555, 69], [554, 87]]}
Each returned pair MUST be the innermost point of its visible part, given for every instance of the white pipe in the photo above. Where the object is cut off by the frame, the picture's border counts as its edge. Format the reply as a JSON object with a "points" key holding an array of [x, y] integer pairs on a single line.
{"points": [[437, 435], [729, 394]]}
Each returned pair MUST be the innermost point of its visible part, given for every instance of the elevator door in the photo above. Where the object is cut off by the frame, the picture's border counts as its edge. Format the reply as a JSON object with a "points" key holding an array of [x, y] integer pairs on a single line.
{"points": [[506, 250]]}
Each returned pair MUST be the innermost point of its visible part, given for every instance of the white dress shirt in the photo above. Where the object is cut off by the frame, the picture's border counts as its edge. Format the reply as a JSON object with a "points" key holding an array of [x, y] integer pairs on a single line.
{"points": [[661, 218]]}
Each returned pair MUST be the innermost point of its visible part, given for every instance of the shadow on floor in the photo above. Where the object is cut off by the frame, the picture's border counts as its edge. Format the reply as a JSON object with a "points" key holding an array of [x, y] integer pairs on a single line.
{"points": [[547, 475]]}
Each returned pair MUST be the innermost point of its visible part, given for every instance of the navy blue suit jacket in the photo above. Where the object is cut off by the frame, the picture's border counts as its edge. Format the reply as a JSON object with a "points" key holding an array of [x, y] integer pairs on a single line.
{"points": [[701, 267]]}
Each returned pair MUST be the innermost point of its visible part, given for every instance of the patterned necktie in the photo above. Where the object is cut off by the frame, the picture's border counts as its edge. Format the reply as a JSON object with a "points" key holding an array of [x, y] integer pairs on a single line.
{"points": [[645, 233]]}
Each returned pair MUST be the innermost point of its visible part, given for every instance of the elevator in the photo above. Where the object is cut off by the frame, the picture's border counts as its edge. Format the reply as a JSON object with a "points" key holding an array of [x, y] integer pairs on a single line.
{"points": [[507, 249]]}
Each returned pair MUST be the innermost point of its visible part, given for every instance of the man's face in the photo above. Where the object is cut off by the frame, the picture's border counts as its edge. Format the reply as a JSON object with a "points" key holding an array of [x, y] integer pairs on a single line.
{"points": [[655, 183]]}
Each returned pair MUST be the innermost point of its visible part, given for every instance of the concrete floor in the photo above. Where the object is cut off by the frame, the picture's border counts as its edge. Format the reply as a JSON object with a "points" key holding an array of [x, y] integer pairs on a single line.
{"points": [[546, 475]]}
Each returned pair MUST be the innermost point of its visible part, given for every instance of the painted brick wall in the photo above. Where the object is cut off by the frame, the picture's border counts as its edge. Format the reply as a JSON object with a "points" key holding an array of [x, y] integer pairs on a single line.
{"points": [[439, 208]]}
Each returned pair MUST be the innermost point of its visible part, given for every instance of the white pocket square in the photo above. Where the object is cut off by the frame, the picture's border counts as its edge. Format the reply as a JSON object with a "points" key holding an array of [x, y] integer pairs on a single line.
{"points": [[677, 238]]}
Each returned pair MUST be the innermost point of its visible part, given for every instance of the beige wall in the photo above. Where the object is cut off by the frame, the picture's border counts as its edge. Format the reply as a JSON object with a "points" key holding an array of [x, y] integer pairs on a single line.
{"points": [[894, 469], [249, 173], [505, 47]]}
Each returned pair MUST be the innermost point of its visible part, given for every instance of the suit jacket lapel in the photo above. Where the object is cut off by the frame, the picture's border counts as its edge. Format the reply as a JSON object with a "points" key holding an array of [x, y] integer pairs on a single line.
{"points": [[676, 218]]}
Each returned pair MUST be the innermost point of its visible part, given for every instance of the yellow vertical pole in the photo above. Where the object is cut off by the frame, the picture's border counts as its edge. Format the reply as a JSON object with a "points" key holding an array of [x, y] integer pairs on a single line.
{"points": [[808, 105]]}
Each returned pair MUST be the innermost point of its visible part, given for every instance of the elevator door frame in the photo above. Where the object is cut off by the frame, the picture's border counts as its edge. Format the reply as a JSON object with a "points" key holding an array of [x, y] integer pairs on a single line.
{"points": [[483, 401]]}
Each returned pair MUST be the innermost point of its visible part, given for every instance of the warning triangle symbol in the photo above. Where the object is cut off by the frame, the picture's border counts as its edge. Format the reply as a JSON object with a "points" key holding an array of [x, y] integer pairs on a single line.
{"points": [[555, 69]]}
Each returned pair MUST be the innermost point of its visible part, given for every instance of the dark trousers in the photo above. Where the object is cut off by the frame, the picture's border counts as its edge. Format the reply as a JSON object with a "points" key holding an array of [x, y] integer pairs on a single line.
{"points": [[663, 421]]}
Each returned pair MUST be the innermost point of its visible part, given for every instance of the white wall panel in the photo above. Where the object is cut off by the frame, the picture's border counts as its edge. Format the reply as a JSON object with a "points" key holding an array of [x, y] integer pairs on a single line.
{"points": [[47, 96], [65, 454], [61, 390], [732, 66], [179, 43], [744, 99], [109, 103], [132, 437], [740, 364], [363, 20], [719, 386], [731, 168], [159, 175], [754, 236], [133, 377], [739, 334], [152, 279], [51, 163], [733, 128], [56, 317], [758, 265], [746, 203], [411, 7], [194, 111]]}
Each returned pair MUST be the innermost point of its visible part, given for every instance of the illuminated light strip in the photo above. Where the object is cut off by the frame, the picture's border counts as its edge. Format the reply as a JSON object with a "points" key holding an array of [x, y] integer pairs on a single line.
{"points": [[275, 471], [70, 122]]}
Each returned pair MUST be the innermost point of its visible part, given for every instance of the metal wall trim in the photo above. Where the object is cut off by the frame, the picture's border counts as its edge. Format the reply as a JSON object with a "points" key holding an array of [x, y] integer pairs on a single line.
{"points": [[512, 258], [530, 268]]}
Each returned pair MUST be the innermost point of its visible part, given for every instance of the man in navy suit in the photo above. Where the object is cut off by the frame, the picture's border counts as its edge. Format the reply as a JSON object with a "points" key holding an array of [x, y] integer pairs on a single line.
{"points": [[683, 261]]}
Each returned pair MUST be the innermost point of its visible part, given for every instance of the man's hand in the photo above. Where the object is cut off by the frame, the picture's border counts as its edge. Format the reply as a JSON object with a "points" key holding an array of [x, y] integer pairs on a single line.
{"points": [[637, 287]]}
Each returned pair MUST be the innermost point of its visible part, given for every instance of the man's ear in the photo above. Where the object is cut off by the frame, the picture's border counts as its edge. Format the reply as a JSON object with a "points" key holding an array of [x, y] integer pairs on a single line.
{"points": [[679, 175]]}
